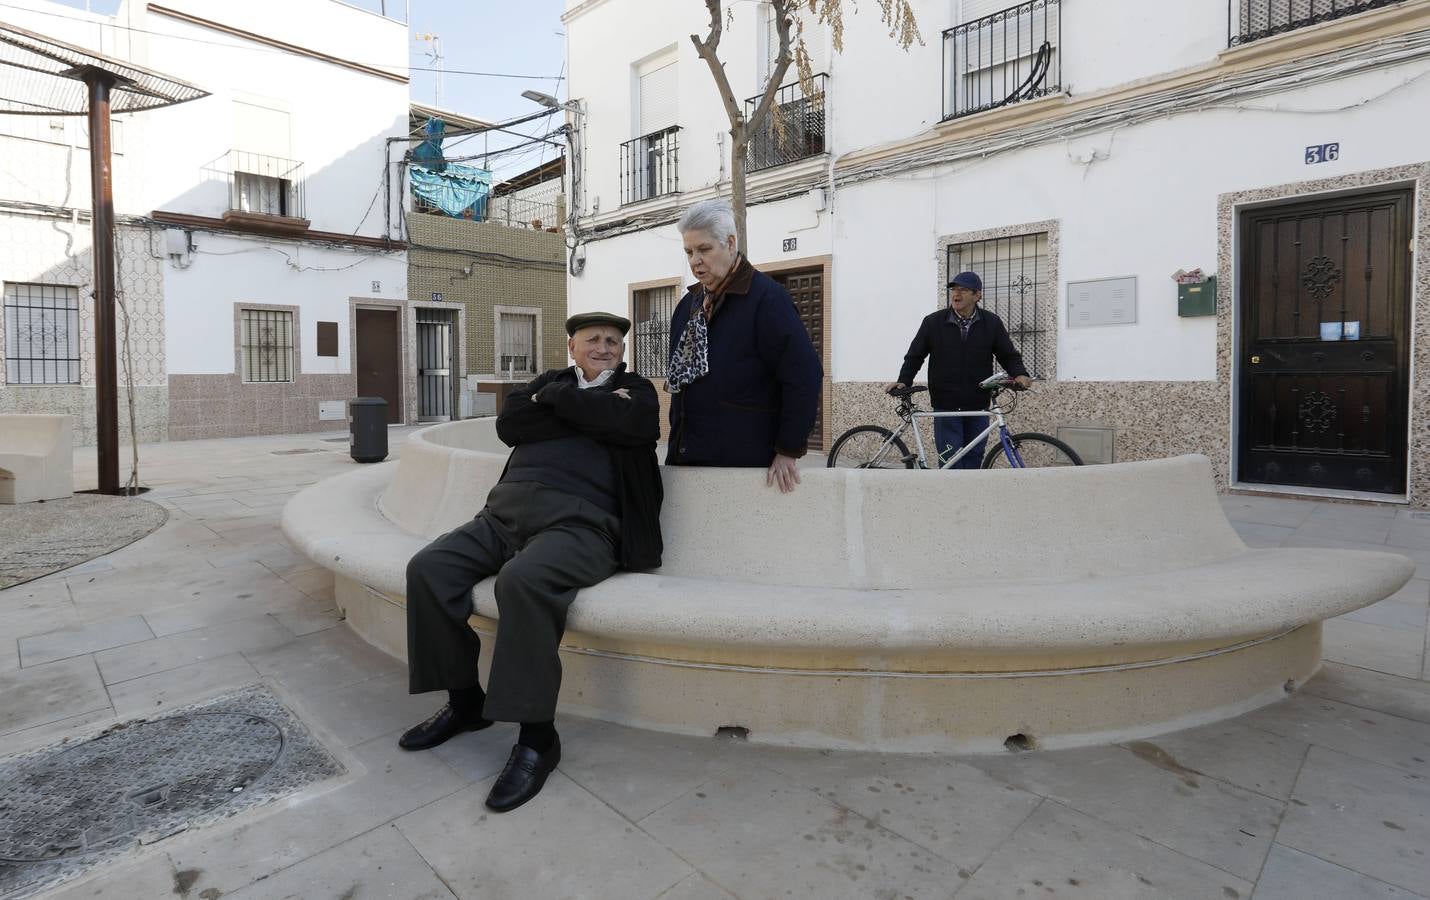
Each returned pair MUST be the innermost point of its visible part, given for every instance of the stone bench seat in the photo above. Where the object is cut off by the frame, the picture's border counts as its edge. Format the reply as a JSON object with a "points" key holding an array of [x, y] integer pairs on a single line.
{"points": [[889, 610], [36, 457]]}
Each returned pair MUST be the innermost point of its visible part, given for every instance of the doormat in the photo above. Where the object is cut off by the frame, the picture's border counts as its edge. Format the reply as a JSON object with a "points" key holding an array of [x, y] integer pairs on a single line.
{"points": [[39, 538], [69, 808]]}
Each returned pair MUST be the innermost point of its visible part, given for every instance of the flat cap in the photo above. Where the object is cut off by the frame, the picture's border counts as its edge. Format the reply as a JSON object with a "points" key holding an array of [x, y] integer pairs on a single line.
{"points": [[586, 320]]}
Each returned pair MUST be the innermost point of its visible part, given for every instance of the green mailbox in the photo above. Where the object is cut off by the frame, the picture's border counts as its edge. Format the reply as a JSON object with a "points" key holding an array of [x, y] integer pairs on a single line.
{"points": [[1197, 299]]}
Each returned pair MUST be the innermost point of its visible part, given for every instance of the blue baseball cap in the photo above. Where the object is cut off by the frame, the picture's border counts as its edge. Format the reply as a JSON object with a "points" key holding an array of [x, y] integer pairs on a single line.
{"points": [[969, 280]]}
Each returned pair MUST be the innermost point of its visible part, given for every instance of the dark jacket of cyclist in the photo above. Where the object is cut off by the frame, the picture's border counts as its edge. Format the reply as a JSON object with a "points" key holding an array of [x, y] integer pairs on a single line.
{"points": [[958, 363]]}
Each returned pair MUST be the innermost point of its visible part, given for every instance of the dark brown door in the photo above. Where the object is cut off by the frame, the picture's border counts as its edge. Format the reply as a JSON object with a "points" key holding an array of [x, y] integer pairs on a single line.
{"points": [[806, 288], [378, 360], [1324, 349]]}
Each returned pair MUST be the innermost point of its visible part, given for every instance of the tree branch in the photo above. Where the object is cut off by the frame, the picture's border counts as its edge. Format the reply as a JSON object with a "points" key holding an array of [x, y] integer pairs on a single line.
{"points": [[708, 49]]}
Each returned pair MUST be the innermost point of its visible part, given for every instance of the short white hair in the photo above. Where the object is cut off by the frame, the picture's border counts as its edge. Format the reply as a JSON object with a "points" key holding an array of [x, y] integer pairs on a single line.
{"points": [[714, 217]]}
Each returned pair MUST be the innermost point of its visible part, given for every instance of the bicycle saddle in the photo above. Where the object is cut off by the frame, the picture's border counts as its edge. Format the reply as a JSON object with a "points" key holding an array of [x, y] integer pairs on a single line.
{"points": [[907, 392]]}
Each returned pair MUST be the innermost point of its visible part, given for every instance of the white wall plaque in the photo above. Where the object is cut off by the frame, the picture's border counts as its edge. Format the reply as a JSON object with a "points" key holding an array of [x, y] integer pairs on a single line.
{"points": [[1102, 301], [332, 410]]}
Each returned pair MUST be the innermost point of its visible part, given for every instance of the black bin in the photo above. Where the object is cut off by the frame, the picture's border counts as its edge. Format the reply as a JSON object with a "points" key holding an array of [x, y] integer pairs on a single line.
{"points": [[368, 422]]}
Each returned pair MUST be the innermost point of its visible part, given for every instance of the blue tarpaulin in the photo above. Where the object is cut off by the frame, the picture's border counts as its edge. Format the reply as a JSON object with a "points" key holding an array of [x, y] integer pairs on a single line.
{"points": [[455, 189]]}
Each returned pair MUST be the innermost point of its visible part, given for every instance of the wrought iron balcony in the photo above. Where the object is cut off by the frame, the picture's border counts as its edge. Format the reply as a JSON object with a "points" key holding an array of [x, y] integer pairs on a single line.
{"points": [[650, 166], [1252, 20], [794, 129], [265, 192], [1002, 58]]}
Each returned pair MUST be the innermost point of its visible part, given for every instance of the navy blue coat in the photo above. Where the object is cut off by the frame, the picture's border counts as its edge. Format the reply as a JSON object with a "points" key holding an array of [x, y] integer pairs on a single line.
{"points": [[762, 391]]}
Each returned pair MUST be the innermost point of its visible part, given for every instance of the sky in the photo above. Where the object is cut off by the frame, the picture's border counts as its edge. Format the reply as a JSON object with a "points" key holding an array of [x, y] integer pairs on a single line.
{"points": [[510, 37]]}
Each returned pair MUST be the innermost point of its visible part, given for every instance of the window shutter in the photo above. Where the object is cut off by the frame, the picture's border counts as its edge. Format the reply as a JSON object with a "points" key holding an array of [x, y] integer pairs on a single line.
{"points": [[816, 43], [658, 99]]}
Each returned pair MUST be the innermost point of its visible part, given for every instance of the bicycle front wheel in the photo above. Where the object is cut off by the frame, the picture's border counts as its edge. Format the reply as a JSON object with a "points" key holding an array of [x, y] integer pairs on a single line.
{"points": [[1038, 451], [869, 447]]}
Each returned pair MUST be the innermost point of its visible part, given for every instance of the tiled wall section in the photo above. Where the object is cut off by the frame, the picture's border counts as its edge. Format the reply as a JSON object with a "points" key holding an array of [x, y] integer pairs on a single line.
{"points": [[540, 284], [213, 406], [47, 250]]}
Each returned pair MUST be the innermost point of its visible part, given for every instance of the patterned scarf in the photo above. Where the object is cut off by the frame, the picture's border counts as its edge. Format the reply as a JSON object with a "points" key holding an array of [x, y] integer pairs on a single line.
{"points": [[691, 359]]}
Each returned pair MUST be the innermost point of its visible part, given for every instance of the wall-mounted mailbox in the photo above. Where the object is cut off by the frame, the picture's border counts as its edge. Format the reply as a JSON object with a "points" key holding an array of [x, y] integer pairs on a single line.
{"points": [[1197, 299]]}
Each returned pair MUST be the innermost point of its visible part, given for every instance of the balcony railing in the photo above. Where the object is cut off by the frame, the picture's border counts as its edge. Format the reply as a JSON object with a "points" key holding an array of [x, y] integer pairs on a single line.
{"points": [[265, 190], [794, 129], [650, 166], [1003, 58], [1252, 20]]}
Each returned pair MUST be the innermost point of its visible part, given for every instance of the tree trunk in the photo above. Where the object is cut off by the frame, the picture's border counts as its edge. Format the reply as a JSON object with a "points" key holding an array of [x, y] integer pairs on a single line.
{"points": [[739, 141]]}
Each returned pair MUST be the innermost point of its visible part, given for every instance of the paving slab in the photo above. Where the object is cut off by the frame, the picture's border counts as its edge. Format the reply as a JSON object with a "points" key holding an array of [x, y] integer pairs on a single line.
{"points": [[1231, 751], [1405, 609], [1392, 650], [1266, 510], [1293, 875], [36, 607], [758, 834], [149, 877], [480, 854], [1355, 730], [1364, 816], [1408, 698], [1256, 534], [82, 639], [359, 712], [938, 803], [697, 887], [637, 772], [267, 594], [379, 865], [1060, 852], [175, 650], [390, 784], [46, 693], [1410, 533], [324, 661], [149, 694], [1151, 794]]}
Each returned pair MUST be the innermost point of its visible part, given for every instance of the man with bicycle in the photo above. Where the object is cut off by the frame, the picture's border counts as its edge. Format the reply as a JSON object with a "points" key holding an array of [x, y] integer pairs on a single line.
{"points": [[961, 342]]}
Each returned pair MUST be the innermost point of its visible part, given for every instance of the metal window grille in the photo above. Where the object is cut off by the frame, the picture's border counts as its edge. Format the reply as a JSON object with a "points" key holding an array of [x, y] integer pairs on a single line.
{"points": [[516, 344], [1003, 58], [650, 166], [650, 335], [1252, 20], [265, 184], [267, 345], [1015, 273], [794, 129], [41, 334]]}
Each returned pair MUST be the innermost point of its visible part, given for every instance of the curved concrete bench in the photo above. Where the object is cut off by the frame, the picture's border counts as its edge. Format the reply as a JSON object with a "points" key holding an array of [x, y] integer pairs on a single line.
{"points": [[36, 457], [901, 610]]}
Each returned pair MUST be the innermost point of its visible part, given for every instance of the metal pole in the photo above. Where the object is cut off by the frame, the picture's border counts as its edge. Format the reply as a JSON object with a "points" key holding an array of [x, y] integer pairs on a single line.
{"points": [[106, 382]]}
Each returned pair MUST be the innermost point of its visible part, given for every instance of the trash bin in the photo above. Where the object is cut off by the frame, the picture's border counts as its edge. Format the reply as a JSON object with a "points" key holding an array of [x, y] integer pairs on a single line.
{"points": [[368, 422]]}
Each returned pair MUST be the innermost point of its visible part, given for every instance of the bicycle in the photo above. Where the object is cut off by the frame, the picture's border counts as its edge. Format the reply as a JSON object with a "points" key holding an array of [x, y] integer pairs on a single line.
{"points": [[876, 447]]}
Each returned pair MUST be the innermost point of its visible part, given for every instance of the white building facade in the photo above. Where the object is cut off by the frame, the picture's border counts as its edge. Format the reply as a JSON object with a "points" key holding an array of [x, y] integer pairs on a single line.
{"points": [[1078, 155], [254, 223]]}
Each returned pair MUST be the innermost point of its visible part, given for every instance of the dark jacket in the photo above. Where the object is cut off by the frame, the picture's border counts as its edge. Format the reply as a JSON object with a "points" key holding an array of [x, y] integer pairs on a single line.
{"points": [[762, 391], [956, 365], [627, 428]]}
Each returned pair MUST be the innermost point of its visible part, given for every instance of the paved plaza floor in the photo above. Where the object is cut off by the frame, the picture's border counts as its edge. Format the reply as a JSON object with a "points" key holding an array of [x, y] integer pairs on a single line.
{"points": [[1323, 795]]}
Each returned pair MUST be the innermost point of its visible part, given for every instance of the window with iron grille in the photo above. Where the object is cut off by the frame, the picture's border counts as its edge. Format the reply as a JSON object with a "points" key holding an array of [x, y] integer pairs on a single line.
{"points": [[516, 344], [41, 334], [1001, 57], [650, 333], [263, 194], [1015, 273], [1252, 20], [266, 345]]}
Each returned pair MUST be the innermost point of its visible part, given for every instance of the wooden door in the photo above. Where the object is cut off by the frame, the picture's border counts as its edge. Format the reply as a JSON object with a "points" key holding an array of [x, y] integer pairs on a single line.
{"points": [[1324, 350], [379, 359], [806, 288]]}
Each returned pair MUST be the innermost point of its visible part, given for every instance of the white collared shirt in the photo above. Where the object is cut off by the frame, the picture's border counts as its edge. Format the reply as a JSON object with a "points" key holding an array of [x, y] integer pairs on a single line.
{"points": [[599, 380]]}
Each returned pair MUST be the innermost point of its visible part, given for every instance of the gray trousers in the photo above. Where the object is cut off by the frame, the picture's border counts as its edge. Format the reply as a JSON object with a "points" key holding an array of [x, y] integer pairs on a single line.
{"points": [[542, 545]]}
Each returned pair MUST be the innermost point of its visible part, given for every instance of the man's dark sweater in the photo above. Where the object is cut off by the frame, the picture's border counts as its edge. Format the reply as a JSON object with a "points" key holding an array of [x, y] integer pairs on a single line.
{"points": [[577, 465], [957, 364]]}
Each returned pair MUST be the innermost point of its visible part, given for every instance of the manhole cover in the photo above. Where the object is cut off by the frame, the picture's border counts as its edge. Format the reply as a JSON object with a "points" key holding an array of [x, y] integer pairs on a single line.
{"points": [[66, 808]]}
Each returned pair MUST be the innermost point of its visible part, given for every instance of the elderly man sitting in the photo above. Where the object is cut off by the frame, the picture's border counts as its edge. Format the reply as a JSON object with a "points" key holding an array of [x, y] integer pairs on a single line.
{"points": [[580, 498]]}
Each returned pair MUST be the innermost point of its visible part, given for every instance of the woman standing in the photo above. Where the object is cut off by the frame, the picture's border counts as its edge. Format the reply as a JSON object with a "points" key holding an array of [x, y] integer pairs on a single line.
{"points": [[743, 374]]}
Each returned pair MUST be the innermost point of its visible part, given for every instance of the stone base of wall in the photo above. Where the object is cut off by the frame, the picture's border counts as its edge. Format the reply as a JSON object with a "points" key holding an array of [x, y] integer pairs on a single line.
{"points": [[151, 409], [217, 406], [1151, 419]]}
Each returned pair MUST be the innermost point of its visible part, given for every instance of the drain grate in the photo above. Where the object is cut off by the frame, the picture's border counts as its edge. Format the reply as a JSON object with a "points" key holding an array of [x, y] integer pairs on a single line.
{"points": [[67, 808]]}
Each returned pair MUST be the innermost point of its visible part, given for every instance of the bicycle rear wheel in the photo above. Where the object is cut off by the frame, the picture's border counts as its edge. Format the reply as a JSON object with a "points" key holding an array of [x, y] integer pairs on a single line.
{"points": [[869, 447], [1038, 451]]}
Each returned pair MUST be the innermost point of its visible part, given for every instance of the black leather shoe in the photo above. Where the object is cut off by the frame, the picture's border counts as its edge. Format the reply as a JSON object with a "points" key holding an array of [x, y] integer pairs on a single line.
{"points": [[444, 725], [525, 773]]}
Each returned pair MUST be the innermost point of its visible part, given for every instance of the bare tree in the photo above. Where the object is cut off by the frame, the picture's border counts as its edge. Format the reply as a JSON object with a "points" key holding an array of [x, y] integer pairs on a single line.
{"points": [[896, 14]]}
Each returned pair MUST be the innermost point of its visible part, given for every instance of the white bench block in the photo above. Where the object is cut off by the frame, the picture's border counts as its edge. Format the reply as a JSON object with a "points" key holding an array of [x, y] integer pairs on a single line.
{"points": [[36, 458]]}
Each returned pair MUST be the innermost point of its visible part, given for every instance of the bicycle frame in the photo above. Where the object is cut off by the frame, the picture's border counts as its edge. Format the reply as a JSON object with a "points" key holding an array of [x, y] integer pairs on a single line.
{"points": [[995, 421]]}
